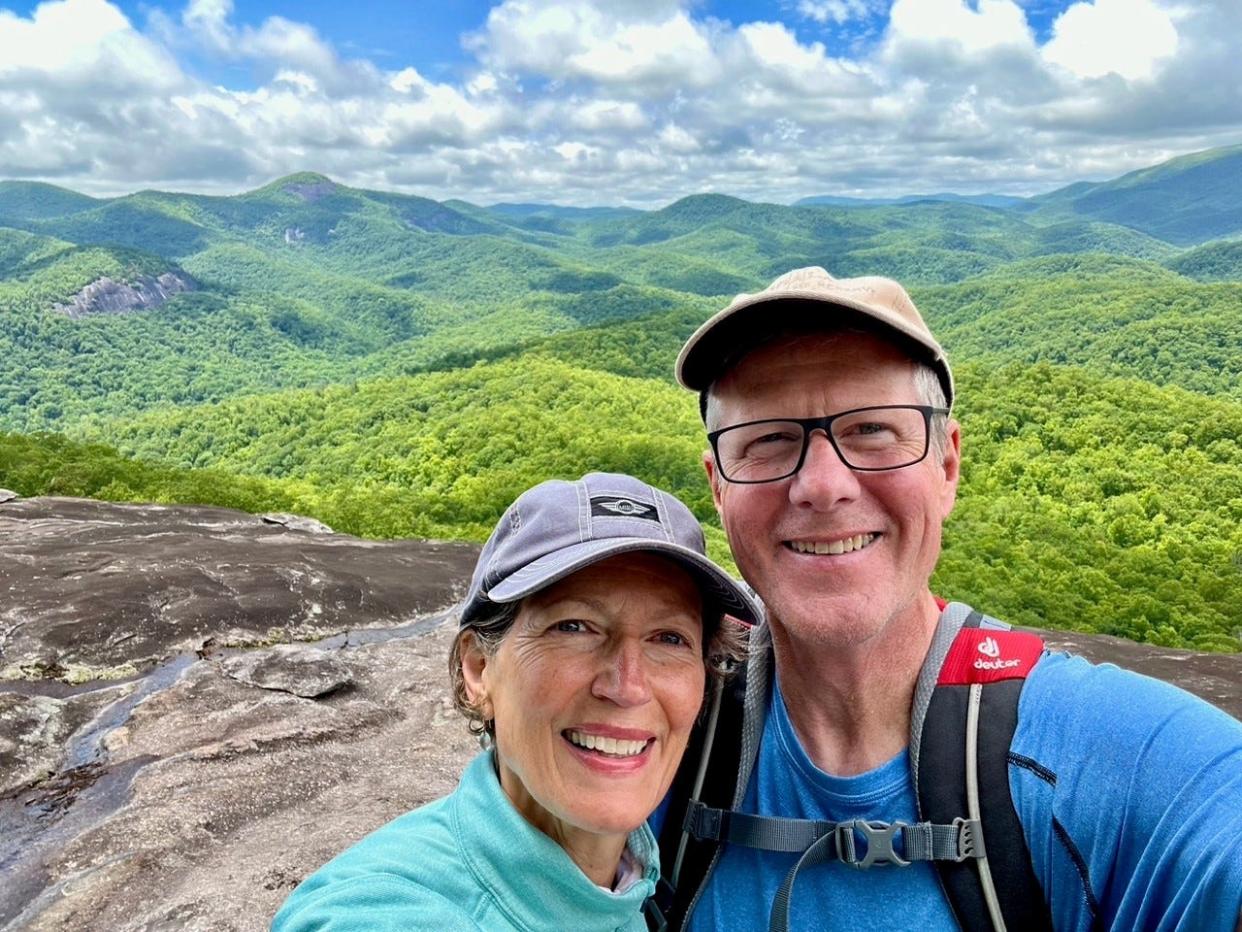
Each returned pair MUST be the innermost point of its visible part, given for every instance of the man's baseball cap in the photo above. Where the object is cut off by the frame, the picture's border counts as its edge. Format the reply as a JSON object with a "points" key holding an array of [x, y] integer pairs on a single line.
{"points": [[808, 299], [558, 528]]}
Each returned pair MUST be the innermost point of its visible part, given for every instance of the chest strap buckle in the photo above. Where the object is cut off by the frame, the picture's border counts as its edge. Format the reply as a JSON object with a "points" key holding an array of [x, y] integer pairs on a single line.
{"points": [[879, 837]]}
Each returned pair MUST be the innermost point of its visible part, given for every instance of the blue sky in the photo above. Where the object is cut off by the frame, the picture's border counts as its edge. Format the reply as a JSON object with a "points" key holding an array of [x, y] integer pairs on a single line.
{"points": [[613, 101]]}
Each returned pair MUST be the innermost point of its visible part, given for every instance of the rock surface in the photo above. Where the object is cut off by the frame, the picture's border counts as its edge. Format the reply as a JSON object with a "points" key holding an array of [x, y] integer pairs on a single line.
{"points": [[106, 296], [299, 671], [196, 792], [199, 790], [98, 590]]}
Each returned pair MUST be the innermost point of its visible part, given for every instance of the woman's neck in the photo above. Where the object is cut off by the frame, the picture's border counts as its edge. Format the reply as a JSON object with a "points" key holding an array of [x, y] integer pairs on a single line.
{"points": [[597, 855]]}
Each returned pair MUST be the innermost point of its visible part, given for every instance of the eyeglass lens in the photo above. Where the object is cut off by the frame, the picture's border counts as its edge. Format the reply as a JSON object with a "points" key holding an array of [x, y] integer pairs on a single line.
{"points": [[869, 438]]}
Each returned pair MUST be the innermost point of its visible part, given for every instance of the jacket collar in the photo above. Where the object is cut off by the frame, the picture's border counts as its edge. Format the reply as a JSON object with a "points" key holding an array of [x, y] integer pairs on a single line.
{"points": [[530, 877]]}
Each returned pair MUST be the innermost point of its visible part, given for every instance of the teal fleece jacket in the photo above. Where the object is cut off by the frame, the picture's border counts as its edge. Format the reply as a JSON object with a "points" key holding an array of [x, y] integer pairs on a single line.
{"points": [[465, 863]]}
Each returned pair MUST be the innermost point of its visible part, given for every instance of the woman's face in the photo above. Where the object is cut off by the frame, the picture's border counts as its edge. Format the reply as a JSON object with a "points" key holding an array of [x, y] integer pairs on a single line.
{"points": [[594, 690]]}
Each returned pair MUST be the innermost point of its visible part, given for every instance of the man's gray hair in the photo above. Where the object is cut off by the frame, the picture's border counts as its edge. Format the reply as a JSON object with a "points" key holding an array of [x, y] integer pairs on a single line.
{"points": [[930, 391]]}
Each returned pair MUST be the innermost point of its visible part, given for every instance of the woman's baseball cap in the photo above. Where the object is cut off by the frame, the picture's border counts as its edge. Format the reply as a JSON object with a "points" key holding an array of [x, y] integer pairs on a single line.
{"points": [[557, 528]]}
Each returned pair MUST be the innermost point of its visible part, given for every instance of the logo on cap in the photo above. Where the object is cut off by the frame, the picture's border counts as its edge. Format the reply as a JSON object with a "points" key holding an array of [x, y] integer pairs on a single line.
{"points": [[625, 507]]}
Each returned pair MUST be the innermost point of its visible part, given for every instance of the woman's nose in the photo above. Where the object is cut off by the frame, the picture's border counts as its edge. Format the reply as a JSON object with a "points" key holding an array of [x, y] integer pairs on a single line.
{"points": [[623, 678]]}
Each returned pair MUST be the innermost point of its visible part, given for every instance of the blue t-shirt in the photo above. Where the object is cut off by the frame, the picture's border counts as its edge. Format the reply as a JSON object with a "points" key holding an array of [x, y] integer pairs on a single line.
{"points": [[1129, 792]]}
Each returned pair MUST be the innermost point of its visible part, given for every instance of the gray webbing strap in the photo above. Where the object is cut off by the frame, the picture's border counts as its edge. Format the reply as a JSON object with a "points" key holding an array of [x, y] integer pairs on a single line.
{"points": [[822, 850], [920, 841], [752, 831], [821, 841]]}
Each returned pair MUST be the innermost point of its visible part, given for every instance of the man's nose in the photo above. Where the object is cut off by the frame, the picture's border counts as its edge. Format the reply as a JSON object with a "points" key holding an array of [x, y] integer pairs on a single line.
{"points": [[824, 479], [623, 677]]}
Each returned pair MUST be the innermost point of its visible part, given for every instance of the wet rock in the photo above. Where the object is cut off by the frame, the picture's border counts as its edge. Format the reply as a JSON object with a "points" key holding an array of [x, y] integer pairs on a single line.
{"points": [[300, 671], [96, 589], [35, 731], [31, 731], [236, 794]]}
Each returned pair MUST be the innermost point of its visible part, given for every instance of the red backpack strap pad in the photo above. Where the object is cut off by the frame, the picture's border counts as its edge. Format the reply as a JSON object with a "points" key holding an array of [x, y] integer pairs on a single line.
{"points": [[985, 655]]}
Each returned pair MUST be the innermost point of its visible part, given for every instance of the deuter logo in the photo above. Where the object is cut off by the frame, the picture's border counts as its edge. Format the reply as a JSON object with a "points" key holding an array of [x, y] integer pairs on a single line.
{"points": [[989, 648], [989, 655]]}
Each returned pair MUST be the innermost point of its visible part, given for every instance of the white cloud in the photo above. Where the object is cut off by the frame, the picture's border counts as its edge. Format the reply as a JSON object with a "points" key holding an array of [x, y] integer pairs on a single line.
{"points": [[1129, 38], [72, 41], [638, 101], [675, 139], [655, 43], [608, 116], [994, 24]]}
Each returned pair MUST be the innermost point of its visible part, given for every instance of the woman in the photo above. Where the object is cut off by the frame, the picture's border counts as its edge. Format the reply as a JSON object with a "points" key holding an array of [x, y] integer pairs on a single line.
{"points": [[581, 663]]}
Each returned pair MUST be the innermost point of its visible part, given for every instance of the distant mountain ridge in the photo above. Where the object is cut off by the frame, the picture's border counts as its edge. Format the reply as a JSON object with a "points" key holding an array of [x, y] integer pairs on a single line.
{"points": [[981, 200], [1186, 201]]}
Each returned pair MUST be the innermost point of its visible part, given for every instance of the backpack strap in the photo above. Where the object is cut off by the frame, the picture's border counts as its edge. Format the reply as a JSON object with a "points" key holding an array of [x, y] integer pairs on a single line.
{"points": [[964, 717], [711, 766]]}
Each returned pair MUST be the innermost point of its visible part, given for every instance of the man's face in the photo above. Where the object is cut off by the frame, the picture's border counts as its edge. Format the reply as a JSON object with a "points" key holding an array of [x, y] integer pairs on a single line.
{"points": [[775, 529]]}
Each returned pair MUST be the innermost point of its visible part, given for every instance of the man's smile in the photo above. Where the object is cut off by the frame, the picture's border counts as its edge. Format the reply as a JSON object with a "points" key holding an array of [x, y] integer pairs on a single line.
{"points": [[837, 546]]}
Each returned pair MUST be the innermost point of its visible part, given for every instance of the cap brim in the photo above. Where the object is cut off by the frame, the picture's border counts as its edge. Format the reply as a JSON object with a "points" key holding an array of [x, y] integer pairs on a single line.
{"points": [[718, 588]]}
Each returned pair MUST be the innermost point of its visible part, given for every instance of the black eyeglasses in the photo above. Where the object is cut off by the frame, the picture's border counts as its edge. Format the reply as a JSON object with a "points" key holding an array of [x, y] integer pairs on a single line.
{"points": [[867, 439]]}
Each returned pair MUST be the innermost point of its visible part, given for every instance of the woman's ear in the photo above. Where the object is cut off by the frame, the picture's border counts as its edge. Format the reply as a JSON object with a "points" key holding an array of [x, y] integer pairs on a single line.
{"points": [[474, 664]]}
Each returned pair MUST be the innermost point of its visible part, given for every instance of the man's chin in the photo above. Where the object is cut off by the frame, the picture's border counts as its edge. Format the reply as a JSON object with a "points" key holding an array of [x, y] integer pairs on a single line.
{"points": [[838, 620]]}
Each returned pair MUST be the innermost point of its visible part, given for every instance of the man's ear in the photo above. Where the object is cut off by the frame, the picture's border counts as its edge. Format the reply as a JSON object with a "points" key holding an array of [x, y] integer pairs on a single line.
{"points": [[475, 671], [713, 479], [951, 463]]}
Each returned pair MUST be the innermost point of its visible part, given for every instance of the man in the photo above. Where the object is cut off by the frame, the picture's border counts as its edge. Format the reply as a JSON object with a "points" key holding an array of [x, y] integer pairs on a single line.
{"points": [[833, 463]]}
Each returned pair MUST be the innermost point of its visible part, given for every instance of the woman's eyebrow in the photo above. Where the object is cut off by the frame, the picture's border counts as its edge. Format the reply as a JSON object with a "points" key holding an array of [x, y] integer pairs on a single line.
{"points": [[572, 600]]}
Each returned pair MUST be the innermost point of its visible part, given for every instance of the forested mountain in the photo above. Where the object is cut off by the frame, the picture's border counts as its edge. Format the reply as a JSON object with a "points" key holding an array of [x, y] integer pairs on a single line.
{"points": [[401, 367], [1187, 200]]}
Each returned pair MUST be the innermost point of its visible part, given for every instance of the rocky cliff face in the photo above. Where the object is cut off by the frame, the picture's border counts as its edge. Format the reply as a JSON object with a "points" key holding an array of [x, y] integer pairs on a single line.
{"points": [[198, 706], [106, 296]]}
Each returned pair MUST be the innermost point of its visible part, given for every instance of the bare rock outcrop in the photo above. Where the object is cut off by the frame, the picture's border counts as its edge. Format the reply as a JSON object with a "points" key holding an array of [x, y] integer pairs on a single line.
{"points": [[280, 693], [98, 590], [312, 190], [144, 292], [163, 763]]}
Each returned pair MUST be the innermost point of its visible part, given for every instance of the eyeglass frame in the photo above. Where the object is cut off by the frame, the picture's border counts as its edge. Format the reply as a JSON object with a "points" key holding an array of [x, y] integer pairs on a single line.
{"points": [[810, 424]]}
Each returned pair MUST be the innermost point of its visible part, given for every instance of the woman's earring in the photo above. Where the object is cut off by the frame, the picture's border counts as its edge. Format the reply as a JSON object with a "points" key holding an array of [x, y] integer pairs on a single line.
{"points": [[486, 740]]}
